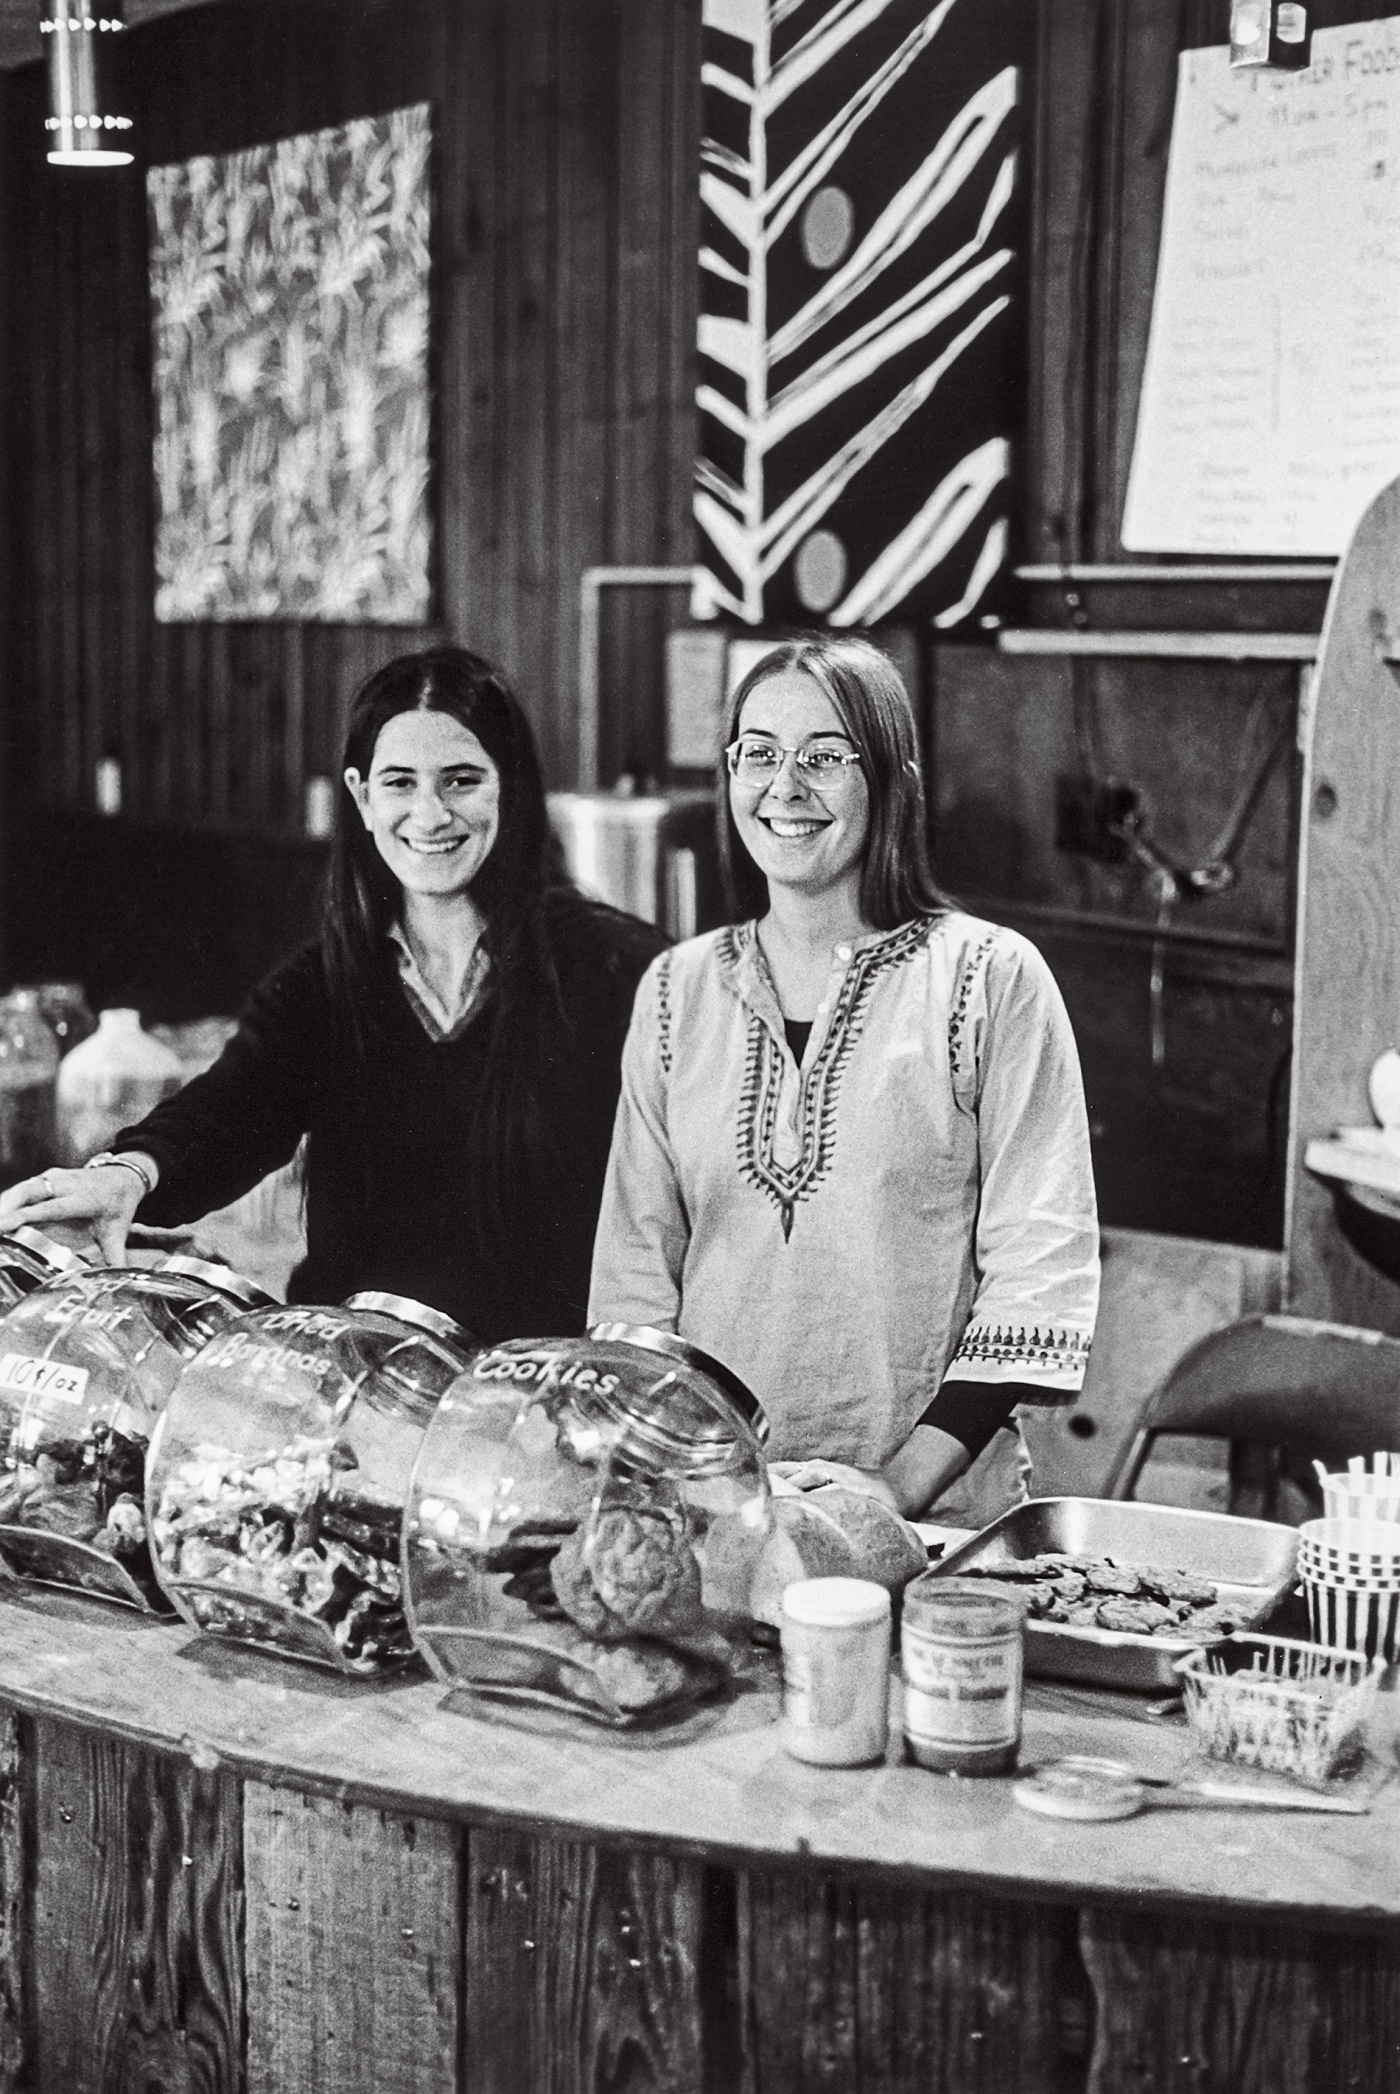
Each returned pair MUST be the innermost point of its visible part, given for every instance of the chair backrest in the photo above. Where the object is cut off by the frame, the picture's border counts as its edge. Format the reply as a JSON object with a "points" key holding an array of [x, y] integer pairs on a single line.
{"points": [[1323, 1389]]}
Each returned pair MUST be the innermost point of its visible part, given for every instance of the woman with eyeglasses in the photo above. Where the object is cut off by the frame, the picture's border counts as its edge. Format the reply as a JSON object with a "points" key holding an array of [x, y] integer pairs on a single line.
{"points": [[851, 1156], [450, 1044]]}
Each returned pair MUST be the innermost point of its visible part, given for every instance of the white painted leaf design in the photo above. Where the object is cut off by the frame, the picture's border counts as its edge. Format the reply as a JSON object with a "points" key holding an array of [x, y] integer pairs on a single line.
{"points": [[793, 372]]}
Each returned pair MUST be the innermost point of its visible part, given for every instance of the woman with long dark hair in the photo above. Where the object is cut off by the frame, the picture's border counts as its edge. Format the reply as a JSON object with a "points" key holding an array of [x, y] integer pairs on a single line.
{"points": [[851, 1157], [449, 1045]]}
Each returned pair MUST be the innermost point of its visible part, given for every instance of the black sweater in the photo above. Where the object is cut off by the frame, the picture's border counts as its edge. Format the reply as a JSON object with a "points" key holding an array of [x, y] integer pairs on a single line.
{"points": [[387, 1196]]}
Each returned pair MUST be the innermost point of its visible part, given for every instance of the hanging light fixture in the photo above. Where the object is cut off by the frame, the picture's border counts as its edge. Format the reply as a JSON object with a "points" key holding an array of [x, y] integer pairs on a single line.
{"points": [[83, 129]]}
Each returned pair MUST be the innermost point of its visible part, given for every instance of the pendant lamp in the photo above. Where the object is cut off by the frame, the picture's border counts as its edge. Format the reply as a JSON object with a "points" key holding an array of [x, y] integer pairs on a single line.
{"points": [[83, 128]]}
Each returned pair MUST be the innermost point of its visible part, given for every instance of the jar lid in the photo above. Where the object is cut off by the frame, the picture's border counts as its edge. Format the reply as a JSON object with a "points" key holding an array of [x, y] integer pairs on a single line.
{"points": [[835, 1603], [55, 1254], [667, 1343], [222, 1277], [407, 1310], [962, 1606]]}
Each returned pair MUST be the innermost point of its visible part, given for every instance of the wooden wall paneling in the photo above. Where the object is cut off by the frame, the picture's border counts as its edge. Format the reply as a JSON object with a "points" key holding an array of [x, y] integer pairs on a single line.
{"points": [[592, 123], [138, 1905], [14, 1881], [533, 142], [583, 1969], [134, 505], [471, 245], [1062, 210], [654, 368], [1239, 2010], [1183, 733], [851, 1984], [353, 1932]]}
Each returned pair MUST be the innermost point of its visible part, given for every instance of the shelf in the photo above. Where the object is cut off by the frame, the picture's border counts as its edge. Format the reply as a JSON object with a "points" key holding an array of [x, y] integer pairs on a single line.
{"points": [[1212, 647], [1193, 573]]}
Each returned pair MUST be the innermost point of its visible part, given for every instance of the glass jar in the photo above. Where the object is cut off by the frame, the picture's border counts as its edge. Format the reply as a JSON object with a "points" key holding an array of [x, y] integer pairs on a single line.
{"points": [[960, 1648], [65, 1011], [276, 1485], [28, 1066], [87, 1364], [109, 1082], [836, 1671], [583, 1525], [27, 1259]]}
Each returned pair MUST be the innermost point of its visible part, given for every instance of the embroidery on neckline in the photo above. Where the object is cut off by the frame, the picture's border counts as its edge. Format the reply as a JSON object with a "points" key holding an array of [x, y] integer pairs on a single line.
{"points": [[820, 1083], [663, 1012]]}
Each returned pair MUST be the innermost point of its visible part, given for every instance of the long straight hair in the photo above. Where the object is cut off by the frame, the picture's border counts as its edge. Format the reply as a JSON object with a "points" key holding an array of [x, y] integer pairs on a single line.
{"points": [[896, 878], [522, 874]]}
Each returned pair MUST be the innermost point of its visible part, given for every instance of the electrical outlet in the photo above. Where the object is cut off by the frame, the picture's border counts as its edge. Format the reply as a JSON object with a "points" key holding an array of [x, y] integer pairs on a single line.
{"points": [[1087, 811]]}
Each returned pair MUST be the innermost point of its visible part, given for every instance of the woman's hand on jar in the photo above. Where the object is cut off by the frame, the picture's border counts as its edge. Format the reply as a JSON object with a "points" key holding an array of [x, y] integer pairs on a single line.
{"points": [[811, 1475], [102, 1203]]}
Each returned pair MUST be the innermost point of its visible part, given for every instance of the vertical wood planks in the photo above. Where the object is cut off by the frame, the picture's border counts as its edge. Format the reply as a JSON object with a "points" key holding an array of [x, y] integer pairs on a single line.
{"points": [[890, 1987], [1240, 2010], [136, 1949], [583, 1969], [13, 1933], [353, 1948]]}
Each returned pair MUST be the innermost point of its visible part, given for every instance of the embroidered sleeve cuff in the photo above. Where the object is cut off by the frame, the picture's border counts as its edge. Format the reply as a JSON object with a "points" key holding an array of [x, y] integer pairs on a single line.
{"points": [[1051, 1360]]}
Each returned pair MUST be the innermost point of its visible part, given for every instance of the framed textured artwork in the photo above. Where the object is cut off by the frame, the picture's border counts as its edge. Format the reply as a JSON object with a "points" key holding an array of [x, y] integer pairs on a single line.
{"points": [[289, 291], [861, 307]]}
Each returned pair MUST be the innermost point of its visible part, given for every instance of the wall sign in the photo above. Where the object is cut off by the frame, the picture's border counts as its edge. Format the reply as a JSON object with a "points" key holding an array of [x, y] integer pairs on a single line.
{"points": [[1270, 410], [289, 291], [860, 385]]}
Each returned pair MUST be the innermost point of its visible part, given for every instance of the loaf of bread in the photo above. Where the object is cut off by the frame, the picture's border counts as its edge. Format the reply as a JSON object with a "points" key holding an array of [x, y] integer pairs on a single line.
{"points": [[832, 1532]]}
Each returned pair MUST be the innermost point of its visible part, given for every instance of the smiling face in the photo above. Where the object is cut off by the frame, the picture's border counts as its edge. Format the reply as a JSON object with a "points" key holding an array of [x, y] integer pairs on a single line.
{"points": [[801, 836], [431, 802]]}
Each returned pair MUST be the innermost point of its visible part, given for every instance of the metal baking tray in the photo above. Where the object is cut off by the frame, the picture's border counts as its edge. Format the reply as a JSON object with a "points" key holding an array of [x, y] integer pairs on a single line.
{"points": [[1251, 1561]]}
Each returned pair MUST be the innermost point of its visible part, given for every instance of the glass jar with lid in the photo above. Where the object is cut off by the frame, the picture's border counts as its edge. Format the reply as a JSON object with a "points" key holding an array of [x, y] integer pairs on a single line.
{"points": [[27, 1259], [584, 1522], [88, 1360], [276, 1485]]}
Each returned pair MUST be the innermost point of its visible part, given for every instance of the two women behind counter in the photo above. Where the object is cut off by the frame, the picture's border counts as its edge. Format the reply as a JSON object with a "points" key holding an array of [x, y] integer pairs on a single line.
{"points": [[850, 1156]]}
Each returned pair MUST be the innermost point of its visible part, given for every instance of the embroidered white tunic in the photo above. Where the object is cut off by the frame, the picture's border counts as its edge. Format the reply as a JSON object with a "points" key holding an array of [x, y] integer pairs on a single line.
{"points": [[916, 1202]]}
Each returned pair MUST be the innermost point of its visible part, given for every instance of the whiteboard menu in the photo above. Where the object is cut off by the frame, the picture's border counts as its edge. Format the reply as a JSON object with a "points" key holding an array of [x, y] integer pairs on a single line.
{"points": [[1270, 410]]}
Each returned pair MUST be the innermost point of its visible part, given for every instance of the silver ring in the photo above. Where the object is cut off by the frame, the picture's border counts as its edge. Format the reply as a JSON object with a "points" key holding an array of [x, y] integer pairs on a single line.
{"points": [[44, 1180]]}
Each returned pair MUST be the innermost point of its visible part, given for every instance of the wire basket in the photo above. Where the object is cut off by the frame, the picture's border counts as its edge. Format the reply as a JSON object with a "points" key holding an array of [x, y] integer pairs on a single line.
{"points": [[1367, 1489], [1263, 1701], [1351, 1575]]}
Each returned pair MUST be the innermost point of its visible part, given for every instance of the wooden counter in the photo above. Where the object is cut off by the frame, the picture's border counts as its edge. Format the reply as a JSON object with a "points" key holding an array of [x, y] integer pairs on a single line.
{"points": [[225, 1871]]}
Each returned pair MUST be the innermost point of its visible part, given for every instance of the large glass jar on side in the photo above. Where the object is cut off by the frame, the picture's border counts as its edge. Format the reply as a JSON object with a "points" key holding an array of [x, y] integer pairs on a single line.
{"points": [[87, 1364], [276, 1486], [28, 1258], [583, 1525]]}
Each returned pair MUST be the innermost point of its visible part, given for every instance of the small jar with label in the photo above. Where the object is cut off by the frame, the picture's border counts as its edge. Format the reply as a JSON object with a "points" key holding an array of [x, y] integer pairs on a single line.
{"points": [[961, 1657], [836, 1671]]}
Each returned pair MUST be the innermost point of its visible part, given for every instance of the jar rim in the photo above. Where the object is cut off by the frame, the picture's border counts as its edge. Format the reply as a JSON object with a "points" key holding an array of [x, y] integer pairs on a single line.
{"points": [[55, 1254], [436, 1321], [221, 1277], [671, 1346]]}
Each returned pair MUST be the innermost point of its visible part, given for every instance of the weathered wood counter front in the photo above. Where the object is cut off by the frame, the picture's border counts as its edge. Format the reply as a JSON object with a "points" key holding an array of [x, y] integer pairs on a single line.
{"points": [[221, 1871]]}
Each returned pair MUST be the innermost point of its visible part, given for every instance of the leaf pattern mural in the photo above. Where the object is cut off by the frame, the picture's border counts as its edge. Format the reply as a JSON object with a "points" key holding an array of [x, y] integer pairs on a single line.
{"points": [[289, 290], [860, 284]]}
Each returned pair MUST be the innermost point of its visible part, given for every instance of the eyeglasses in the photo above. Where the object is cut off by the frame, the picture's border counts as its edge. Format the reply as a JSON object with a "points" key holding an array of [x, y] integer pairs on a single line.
{"points": [[755, 761]]}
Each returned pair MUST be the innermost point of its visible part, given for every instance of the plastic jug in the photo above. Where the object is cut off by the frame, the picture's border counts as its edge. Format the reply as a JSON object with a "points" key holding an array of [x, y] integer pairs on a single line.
{"points": [[109, 1081], [28, 1062]]}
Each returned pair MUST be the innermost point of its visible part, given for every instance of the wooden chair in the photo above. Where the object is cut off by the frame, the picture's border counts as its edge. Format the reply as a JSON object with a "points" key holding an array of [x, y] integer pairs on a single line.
{"points": [[1324, 1390]]}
